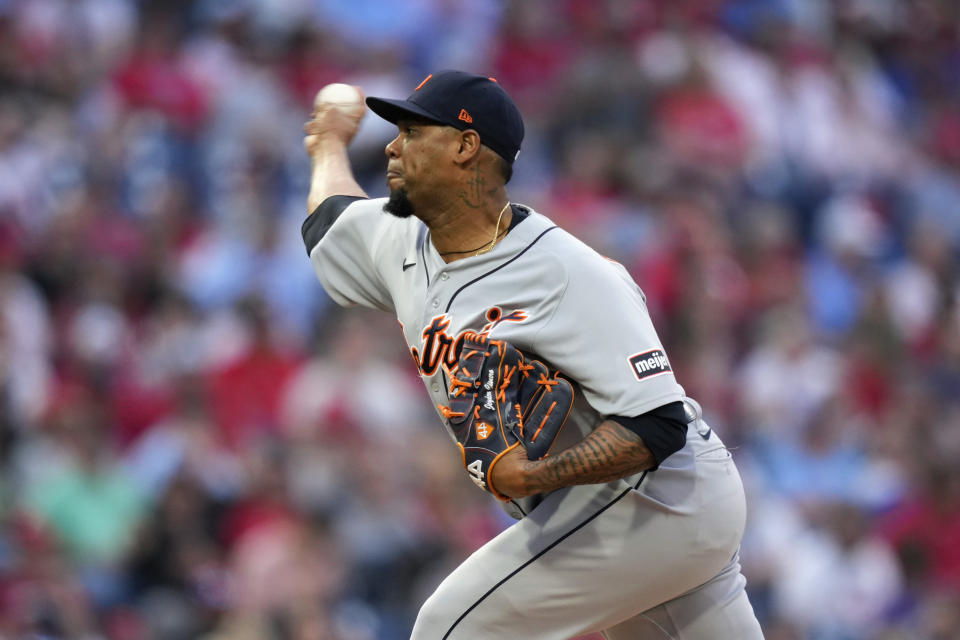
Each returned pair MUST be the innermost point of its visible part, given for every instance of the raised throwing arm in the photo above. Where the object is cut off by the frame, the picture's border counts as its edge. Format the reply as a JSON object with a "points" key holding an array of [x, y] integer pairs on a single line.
{"points": [[327, 136]]}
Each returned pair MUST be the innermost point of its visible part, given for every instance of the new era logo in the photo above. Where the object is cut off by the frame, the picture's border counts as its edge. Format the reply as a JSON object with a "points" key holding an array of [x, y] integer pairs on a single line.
{"points": [[466, 117], [650, 363]]}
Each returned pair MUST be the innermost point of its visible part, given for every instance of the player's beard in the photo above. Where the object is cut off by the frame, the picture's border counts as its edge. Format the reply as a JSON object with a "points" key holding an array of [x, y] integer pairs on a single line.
{"points": [[399, 204]]}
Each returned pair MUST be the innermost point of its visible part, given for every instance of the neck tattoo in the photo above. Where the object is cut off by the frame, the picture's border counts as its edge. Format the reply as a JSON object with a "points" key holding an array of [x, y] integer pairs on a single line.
{"points": [[485, 246]]}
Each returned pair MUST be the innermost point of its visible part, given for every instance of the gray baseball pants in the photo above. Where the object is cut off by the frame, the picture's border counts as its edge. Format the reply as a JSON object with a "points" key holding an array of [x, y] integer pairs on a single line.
{"points": [[650, 557]]}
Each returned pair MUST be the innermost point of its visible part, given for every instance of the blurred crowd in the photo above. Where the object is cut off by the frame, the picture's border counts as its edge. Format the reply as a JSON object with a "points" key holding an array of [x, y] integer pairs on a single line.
{"points": [[196, 443]]}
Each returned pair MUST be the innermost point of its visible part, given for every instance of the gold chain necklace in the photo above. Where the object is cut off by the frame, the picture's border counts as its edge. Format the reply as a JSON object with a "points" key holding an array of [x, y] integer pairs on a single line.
{"points": [[485, 247]]}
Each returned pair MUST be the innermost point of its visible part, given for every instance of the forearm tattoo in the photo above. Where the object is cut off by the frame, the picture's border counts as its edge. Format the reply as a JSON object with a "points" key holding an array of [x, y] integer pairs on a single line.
{"points": [[610, 452]]}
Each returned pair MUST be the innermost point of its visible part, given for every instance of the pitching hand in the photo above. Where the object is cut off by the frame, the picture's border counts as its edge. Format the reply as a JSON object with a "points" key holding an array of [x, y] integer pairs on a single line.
{"points": [[332, 122]]}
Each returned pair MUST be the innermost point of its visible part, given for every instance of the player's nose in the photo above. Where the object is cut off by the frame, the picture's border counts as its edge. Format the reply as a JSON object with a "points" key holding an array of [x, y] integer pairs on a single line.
{"points": [[393, 148]]}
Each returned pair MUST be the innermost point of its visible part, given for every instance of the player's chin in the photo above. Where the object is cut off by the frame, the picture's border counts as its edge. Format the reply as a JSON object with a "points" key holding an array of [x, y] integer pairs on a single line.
{"points": [[398, 204]]}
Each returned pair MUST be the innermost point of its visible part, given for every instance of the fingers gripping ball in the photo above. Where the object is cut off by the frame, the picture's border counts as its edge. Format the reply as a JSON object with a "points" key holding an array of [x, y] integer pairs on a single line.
{"points": [[343, 97], [484, 411], [338, 110]]}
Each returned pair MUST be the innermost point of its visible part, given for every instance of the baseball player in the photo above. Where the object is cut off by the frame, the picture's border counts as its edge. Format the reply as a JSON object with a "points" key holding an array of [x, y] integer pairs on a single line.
{"points": [[631, 524]]}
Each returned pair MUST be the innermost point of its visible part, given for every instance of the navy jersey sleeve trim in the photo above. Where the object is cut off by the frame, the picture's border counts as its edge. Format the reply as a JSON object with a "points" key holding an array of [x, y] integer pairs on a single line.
{"points": [[663, 430], [323, 217]]}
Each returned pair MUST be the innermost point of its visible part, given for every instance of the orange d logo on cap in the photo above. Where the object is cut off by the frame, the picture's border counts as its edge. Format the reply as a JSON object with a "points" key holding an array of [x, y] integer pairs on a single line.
{"points": [[425, 81]]}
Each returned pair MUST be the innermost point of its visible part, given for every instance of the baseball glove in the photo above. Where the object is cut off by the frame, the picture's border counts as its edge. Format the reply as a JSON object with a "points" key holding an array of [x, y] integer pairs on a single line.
{"points": [[498, 401]]}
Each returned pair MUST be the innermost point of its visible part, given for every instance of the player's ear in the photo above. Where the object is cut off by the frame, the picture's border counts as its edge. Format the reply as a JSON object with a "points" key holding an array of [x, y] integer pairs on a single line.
{"points": [[468, 146]]}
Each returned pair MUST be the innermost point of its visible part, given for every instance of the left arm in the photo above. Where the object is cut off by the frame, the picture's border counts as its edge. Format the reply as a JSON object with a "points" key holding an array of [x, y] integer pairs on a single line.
{"points": [[609, 452], [622, 371]]}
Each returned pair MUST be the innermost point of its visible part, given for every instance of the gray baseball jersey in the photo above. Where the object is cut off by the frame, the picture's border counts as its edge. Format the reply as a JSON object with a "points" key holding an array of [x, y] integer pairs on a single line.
{"points": [[555, 298]]}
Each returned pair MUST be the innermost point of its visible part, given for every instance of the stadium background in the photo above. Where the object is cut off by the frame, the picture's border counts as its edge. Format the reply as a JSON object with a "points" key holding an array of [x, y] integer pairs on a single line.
{"points": [[196, 443]]}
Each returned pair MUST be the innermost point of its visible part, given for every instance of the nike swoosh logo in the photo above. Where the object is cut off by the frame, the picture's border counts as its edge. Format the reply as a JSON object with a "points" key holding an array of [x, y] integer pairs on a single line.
{"points": [[407, 265]]}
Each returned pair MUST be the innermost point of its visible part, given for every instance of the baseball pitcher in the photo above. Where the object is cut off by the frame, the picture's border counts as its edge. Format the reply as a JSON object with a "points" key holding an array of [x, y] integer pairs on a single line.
{"points": [[545, 368]]}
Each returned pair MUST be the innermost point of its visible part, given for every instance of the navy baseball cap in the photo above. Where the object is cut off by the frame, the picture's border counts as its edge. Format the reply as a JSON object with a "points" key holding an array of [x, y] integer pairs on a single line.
{"points": [[464, 101]]}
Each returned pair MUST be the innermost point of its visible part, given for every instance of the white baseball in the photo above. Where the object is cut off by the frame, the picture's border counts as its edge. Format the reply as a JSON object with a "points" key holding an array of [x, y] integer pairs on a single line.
{"points": [[342, 96]]}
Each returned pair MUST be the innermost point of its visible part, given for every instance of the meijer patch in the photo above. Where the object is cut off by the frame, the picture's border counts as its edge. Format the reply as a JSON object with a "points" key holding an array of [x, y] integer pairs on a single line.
{"points": [[649, 363]]}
